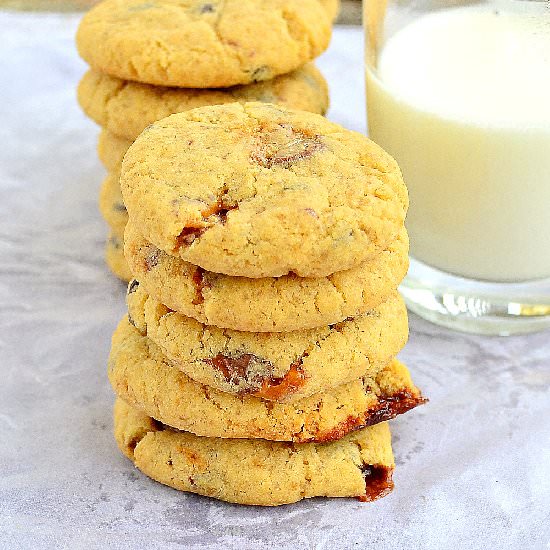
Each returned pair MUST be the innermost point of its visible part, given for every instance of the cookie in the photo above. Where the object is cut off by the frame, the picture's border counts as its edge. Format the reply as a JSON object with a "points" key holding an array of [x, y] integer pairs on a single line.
{"points": [[257, 472], [268, 304], [276, 366], [332, 7], [257, 190], [198, 44], [142, 376], [127, 108], [111, 150], [111, 204], [114, 257]]}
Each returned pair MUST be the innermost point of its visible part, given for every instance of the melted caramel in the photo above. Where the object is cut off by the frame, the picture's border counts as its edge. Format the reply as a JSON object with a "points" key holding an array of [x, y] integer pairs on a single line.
{"points": [[378, 482]]}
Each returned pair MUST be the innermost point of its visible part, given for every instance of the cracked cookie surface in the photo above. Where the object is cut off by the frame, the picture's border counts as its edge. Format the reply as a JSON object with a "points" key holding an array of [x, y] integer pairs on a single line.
{"points": [[256, 190], [282, 367], [270, 304], [143, 377], [257, 472], [126, 108], [200, 44]]}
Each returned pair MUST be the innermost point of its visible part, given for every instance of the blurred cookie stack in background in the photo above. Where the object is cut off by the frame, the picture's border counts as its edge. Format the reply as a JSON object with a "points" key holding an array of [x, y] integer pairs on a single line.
{"points": [[153, 58], [257, 363]]}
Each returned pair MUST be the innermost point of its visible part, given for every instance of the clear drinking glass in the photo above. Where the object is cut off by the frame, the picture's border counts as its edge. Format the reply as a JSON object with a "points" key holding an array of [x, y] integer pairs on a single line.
{"points": [[459, 93]]}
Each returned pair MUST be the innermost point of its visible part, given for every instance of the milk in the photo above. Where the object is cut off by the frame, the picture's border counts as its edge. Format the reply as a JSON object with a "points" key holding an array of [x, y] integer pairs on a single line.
{"points": [[462, 100]]}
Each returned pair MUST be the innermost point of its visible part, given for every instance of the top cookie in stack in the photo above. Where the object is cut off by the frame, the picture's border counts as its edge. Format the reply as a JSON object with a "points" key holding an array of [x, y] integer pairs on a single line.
{"points": [[150, 59], [204, 44]]}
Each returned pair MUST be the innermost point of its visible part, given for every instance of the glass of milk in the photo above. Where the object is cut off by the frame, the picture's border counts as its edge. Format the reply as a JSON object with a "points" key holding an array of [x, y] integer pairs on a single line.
{"points": [[459, 94]]}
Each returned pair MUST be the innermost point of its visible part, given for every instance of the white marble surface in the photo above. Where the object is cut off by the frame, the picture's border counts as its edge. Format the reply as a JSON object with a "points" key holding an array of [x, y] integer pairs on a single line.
{"points": [[473, 465]]}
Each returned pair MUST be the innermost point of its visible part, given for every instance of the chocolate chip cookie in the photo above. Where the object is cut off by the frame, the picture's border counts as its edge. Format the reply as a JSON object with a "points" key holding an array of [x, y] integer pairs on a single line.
{"points": [[111, 150], [143, 377], [258, 472], [111, 204], [114, 257], [283, 367], [257, 190], [203, 44], [126, 108], [268, 304], [332, 7]]}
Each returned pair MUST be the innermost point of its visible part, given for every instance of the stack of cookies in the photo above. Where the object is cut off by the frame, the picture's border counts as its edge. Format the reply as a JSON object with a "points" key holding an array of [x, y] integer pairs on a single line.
{"points": [[257, 363], [153, 58]]}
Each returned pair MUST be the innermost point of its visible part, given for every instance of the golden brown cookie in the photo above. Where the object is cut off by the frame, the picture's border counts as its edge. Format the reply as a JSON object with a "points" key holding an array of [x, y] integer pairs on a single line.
{"points": [[142, 376], [332, 7], [268, 304], [126, 108], [111, 150], [198, 44], [114, 257], [257, 472], [111, 204], [281, 366], [256, 190]]}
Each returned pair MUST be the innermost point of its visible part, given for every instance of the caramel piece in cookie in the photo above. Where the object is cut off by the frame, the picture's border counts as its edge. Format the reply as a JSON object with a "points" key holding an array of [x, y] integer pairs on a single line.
{"points": [[283, 366], [256, 190], [142, 376], [198, 44], [126, 108], [271, 304], [257, 472]]}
